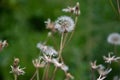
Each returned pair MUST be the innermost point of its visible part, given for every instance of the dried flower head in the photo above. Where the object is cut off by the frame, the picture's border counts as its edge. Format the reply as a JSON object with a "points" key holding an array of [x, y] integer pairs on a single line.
{"points": [[114, 38], [104, 72], [16, 68], [3, 44], [64, 24], [48, 50], [75, 10], [50, 25], [39, 62], [95, 66], [110, 58]]}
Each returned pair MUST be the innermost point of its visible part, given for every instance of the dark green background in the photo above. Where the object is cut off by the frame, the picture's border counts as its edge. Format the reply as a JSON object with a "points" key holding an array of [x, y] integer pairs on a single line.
{"points": [[22, 25]]}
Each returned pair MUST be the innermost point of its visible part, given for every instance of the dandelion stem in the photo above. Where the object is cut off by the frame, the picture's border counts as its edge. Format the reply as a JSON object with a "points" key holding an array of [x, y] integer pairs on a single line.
{"points": [[93, 76], [43, 77], [112, 5], [47, 71], [15, 76], [37, 74], [34, 75], [53, 76], [61, 45], [65, 39], [76, 19], [115, 49], [118, 6]]}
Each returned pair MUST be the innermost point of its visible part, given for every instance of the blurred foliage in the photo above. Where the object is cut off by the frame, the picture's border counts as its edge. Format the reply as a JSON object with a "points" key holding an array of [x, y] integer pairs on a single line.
{"points": [[22, 25]]}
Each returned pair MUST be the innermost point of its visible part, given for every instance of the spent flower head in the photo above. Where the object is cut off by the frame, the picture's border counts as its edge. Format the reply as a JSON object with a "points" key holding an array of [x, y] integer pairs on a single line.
{"points": [[15, 68], [64, 24], [104, 72], [75, 10], [39, 62], [50, 25], [3, 44], [109, 58], [114, 38], [95, 66]]}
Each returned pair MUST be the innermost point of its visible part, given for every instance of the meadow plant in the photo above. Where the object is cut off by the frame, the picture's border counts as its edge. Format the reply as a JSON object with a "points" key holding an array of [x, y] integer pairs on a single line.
{"points": [[114, 39], [65, 26], [52, 55]]}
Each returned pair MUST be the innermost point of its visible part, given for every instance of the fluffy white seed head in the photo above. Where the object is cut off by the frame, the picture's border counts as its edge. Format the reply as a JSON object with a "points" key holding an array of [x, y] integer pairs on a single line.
{"points": [[64, 24], [114, 38]]}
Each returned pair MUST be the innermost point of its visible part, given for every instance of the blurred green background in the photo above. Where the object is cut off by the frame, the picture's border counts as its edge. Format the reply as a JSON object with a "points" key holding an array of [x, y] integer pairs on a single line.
{"points": [[22, 25]]}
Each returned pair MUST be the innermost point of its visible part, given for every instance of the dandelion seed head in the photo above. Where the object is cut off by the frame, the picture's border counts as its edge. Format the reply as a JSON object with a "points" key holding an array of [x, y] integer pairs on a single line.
{"points": [[48, 50], [114, 38], [64, 24]]}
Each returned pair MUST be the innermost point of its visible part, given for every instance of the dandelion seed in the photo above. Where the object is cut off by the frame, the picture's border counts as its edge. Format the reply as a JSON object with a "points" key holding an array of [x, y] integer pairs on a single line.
{"points": [[64, 24], [114, 38], [48, 50]]}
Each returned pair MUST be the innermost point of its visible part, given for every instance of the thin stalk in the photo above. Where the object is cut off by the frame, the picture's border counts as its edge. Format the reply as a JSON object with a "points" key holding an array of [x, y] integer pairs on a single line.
{"points": [[53, 76], [93, 75], [15, 77], [61, 45], [112, 5], [115, 49], [38, 74], [118, 5], [65, 39], [43, 77], [47, 71], [34, 75], [59, 55], [76, 19]]}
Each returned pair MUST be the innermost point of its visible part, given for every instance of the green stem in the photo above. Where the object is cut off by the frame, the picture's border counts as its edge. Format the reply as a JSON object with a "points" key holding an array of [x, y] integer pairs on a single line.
{"points": [[76, 19], [38, 74], [15, 77], [34, 75], [112, 5], [53, 76]]}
